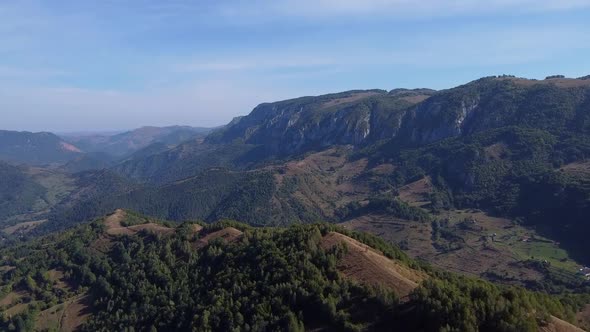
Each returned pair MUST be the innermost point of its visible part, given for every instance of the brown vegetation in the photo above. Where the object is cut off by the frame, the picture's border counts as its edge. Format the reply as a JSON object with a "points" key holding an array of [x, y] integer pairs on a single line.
{"points": [[227, 235], [583, 317], [558, 325], [417, 193], [23, 227], [366, 265], [576, 168], [58, 278], [415, 99], [67, 316], [11, 298], [325, 180], [350, 99], [495, 151], [114, 227], [560, 82], [473, 257]]}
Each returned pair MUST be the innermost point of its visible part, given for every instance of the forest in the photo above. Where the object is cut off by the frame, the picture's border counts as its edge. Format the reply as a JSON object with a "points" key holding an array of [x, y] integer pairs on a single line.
{"points": [[267, 279]]}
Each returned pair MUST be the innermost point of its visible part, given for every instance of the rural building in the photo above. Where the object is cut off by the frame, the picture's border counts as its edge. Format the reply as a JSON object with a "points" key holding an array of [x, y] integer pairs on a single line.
{"points": [[585, 271]]}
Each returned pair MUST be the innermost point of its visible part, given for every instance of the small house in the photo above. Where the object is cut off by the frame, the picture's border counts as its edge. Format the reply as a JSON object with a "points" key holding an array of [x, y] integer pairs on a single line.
{"points": [[585, 271]]}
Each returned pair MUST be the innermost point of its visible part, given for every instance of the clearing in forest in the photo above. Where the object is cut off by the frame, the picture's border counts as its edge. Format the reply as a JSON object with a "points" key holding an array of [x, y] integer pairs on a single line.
{"points": [[367, 265], [227, 235], [114, 226]]}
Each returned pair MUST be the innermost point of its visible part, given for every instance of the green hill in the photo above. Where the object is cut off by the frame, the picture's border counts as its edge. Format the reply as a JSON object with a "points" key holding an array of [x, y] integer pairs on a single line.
{"points": [[513, 147], [18, 191], [127, 271], [35, 148]]}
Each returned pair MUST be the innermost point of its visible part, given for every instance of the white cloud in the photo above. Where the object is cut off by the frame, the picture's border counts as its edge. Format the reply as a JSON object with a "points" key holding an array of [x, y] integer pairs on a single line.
{"points": [[401, 9]]}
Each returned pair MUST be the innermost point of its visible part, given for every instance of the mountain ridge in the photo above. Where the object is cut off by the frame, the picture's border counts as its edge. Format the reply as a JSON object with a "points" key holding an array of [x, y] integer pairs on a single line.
{"points": [[35, 148]]}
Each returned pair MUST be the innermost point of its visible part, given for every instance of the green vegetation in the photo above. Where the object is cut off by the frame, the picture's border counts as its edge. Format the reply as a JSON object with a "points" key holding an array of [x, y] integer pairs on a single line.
{"points": [[18, 192], [383, 205], [211, 195], [272, 278], [34, 148], [522, 183]]}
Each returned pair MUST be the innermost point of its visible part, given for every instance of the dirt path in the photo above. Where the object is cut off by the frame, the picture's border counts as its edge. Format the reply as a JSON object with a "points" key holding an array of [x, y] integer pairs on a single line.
{"points": [[558, 325]]}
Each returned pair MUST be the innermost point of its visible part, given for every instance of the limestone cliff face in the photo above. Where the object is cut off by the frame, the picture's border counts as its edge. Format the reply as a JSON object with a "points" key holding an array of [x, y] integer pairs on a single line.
{"points": [[349, 118], [414, 117], [439, 117]]}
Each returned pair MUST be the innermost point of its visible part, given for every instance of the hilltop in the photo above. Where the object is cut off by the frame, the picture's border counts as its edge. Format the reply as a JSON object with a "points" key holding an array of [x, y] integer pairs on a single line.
{"points": [[23, 147]]}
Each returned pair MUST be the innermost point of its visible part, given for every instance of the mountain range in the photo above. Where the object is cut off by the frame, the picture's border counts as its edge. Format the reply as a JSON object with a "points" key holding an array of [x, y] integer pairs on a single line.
{"points": [[489, 179], [81, 150]]}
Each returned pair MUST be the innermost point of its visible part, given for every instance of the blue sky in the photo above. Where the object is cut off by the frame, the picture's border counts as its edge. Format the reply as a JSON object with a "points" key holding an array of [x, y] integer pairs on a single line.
{"points": [[111, 65]]}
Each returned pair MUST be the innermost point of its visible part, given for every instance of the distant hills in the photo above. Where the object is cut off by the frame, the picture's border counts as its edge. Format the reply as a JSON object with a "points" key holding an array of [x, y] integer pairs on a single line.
{"points": [[490, 179], [35, 148], [19, 193], [294, 126], [123, 144], [88, 151]]}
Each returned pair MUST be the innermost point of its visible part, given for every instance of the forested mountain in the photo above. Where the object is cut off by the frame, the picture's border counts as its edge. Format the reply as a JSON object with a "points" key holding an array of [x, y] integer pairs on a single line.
{"points": [[414, 116], [492, 144], [362, 118], [312, 123], [18, 192], [35, 148], [129, 271], [282, 130], [188, 159], [126, 143], [514, 147], [489, 179], [89, 161]]}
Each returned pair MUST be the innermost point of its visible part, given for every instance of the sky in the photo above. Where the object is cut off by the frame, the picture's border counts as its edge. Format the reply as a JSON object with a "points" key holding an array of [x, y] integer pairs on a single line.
{"points": [[77, 65]]}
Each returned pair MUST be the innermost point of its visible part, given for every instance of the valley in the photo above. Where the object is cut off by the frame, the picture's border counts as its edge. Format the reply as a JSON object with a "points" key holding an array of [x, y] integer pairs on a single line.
{"points": [[481, 188]]}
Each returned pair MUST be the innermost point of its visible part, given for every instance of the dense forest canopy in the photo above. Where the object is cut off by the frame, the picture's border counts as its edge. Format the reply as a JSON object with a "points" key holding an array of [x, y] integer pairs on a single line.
{"points": [[264, 279]]}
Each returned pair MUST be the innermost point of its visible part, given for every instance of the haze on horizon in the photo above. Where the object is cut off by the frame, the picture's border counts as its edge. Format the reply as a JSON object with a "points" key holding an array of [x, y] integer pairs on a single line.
{"points": [[101, 66]]}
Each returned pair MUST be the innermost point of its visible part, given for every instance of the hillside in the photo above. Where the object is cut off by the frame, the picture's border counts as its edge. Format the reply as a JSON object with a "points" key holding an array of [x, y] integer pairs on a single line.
{"points": [[186, 160], [491, 144], [505, 154], [500, 193], [18, 192], [295, 278], [313, 123], [35, 148], [126, 143], [411, 116], [88, 162]]}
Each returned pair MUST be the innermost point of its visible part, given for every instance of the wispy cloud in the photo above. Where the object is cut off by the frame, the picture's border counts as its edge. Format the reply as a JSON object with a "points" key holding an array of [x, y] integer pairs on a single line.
{"points": [[110, 64], [267, 60], [404, 9], [480, 46]]}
